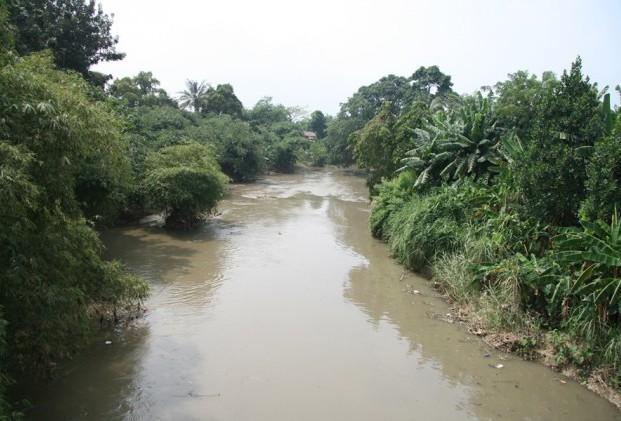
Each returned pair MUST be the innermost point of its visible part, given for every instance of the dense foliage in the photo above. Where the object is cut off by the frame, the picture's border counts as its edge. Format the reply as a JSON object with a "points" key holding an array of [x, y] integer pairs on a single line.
{"points": [[75, 157], [184, 180], [389, 108], [62, 156], [511, 198], [77, 32]]}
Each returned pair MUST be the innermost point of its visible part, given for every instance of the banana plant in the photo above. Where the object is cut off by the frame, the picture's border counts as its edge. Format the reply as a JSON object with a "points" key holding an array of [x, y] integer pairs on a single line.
{"points": [[453, 146], [593, 251]]}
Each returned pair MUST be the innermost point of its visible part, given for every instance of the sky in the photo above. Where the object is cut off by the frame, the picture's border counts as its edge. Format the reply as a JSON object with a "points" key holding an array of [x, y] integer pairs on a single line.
{"points": [[316, 54]]}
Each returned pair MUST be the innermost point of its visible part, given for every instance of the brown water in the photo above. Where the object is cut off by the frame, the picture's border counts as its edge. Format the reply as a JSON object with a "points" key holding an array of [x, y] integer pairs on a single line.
{"points": [[285, 308]]}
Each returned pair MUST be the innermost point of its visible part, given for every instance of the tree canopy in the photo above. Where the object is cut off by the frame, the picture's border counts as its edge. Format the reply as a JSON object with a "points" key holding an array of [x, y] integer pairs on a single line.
{"points": [[77, 32]]}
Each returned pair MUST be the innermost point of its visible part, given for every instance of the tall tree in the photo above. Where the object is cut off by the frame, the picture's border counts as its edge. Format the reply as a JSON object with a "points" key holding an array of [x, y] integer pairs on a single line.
{"points": [[431, 82], [519, 97], [77, 32], [568, 122], [265, 112], [222, 100], [318, 124]]}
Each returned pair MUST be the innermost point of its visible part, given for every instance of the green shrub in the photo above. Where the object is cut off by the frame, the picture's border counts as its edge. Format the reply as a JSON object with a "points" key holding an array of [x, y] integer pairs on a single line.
{"points": [[603, 184], [391, 196], [283, 156], [589, 284], [241, 159], [318, 154], [183, 181], [425, 226]]}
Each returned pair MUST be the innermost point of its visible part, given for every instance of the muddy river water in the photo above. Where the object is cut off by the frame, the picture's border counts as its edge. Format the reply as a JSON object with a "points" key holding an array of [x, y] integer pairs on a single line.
{"points": [[285, 308]]}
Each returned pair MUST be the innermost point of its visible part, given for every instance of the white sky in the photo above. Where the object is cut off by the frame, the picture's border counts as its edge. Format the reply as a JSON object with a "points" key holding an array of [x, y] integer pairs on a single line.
{"points": [[317, 53]]}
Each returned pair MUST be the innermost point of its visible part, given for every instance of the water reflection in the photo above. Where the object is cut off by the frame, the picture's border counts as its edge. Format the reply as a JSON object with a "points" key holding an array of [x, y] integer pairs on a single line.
{"points": [[284, 308], [378, 289]]}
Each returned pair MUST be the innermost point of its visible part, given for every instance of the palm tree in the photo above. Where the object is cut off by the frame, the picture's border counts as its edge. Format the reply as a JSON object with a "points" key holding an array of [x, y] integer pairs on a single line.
{"points": [[194, 95]]}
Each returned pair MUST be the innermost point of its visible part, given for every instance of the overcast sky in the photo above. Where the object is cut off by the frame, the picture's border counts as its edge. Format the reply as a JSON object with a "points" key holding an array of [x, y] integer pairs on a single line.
{"points": [[315, 54]]}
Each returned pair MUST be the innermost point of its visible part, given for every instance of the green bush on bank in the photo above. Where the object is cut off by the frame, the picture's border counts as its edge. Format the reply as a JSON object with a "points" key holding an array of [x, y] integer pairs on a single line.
{"points": [[515, 273], [53, 137], [523, 231], [283, 156], [183, 181]]}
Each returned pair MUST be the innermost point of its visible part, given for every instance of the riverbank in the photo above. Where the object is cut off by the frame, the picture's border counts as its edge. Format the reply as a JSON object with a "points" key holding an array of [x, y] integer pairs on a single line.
{"points": [[284, 307], [520, 343], [505, 276]]}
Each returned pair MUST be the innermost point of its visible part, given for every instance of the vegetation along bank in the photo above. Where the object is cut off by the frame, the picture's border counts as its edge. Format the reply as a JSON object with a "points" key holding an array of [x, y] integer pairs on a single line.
{"points": [[510, 198], [80, 152]]}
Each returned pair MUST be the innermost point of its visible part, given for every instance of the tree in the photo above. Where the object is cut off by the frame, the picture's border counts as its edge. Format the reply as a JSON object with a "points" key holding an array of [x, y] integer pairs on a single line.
{"points": [[283, 156], [266, 113], [6, 31], [194, 96], [603, 184], [339, 139], [222, 100], [427, 84], [365, 103], [518, 100], [318, 124], [374, 144], [142, 89], [184, 181], [77, 32], [54, 279], [239, 151], [430, 82], [567, 124], [318, 154]]}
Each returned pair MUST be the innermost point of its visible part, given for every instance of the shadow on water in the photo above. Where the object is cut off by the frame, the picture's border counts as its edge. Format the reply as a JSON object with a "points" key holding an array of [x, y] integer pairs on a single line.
{"points": [[111, 369], [108, 381]]}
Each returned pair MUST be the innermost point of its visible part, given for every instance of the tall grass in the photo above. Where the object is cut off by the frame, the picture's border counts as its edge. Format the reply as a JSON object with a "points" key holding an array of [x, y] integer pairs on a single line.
{"points": [[514, 274]]}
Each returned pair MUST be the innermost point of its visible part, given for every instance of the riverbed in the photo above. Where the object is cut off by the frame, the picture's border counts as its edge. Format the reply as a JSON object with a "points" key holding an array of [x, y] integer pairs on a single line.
{"points": [[283, 307]]}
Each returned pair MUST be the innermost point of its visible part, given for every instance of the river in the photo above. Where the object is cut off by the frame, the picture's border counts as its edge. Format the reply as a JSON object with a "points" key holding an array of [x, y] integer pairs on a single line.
{"points": [[284, 307]]}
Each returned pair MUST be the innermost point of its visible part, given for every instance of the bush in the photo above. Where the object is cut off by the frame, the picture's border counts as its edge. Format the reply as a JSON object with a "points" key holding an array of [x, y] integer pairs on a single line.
{"points": [[239, 150], [283, 156], [184, 181], [391, 196], [241, 159], [603, 184], [318, 154], [551, 181], [425, 226]]}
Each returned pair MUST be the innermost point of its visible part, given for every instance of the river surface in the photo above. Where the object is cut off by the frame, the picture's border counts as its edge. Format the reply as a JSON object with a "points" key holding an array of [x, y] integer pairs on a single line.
{"points": [[285, 308]]}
